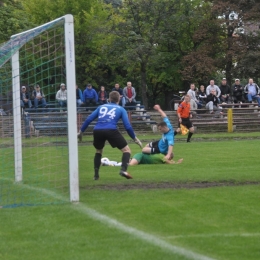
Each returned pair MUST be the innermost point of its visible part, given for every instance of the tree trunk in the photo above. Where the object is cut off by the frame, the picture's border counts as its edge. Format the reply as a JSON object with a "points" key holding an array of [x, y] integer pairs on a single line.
{"points": [[229, 60], [143, 85]]}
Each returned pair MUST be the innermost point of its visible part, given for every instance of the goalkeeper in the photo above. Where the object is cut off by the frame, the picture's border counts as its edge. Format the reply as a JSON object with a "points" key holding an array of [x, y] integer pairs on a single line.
{"points": [[106, 130], [165, 144]]}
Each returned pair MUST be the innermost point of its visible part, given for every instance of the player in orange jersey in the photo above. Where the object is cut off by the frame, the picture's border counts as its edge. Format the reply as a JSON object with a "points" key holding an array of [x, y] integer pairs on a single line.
{"points": [[184, 116]]}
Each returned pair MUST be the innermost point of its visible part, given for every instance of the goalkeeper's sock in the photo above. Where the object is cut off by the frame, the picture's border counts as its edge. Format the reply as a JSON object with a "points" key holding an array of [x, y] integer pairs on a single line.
{"points": [[189, 136], [97, 160], [125, 161]]}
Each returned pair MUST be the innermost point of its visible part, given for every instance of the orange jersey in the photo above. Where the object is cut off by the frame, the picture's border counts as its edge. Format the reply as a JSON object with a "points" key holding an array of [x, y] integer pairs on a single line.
{"points": [[184, 109]]}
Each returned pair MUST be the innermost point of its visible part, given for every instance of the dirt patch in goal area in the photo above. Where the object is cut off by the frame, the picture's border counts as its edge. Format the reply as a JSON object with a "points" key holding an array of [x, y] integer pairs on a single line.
{"points": [[170, 185]]}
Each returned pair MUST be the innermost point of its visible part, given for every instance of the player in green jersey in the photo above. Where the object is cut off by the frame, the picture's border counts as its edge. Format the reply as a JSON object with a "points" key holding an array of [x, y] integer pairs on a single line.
{"points": [[141, 158]]}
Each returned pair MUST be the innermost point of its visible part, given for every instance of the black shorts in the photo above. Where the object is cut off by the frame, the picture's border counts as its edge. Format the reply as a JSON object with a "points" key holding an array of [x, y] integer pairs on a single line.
{"points": [[186, 122], [113, 136], [155, 146]]}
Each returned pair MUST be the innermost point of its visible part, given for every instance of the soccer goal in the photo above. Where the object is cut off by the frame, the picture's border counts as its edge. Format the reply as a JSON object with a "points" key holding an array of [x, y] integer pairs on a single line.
{"points": [[38, 138]]}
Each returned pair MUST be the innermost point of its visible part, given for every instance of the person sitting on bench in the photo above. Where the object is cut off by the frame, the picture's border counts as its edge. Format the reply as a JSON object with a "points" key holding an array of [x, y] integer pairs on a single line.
{"points": [[129, 95], [90, 96], [38, 97]]}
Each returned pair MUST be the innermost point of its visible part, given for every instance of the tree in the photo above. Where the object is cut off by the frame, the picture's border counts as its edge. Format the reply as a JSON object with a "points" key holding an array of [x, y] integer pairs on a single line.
{"points": [[151, 38], [219, 42], [12, 19]]}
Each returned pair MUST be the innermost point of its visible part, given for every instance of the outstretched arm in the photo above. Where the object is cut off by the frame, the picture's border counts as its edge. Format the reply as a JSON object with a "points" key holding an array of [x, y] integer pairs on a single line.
{"points": [[169, 153], [173, 162], [158, 108]]}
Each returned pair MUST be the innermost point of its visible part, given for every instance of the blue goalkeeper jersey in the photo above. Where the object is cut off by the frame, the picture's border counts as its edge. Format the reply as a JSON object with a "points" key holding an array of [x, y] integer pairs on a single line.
{"points": [[108, 115], [167, 138]]}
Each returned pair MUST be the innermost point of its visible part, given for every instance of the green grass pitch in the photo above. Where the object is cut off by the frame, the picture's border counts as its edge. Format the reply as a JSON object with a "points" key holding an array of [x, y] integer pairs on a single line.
{"points": [[205, 208]]}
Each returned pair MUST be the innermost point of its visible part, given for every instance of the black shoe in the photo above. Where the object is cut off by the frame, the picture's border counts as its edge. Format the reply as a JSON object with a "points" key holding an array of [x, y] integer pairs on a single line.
{"points": [[96, 177], [125, 174], [188, 141]]}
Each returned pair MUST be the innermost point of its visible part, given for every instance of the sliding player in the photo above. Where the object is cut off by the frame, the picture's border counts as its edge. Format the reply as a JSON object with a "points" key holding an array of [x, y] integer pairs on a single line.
{"points": [[165, 144]]}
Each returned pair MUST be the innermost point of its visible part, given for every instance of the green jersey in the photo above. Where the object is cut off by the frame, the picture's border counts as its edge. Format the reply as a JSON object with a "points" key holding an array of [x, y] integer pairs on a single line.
{"points": [[143, 158]]}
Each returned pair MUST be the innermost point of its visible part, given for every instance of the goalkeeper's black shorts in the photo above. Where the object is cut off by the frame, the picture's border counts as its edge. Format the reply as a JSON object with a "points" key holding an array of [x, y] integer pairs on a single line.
{"points": [[113, 136]]}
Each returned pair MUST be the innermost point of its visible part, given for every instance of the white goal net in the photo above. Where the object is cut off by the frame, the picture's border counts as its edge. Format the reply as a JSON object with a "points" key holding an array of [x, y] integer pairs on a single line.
{"points": [[38, 134]]}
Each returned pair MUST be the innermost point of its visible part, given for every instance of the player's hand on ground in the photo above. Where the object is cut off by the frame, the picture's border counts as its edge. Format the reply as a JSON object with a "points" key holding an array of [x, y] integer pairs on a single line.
{"points": [[156, 107], [138, 142], [80, 134], [179, 161]]}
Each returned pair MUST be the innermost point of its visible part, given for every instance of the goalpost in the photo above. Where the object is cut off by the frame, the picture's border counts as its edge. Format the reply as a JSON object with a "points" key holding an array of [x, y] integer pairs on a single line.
{"points": [[40, 142]]}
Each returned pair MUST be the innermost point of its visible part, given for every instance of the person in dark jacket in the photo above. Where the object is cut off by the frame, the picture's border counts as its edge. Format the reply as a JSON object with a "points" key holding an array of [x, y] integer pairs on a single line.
{"points": [[25, 98], [38, 97], [120, 91], [202, 95], [90, 96], [102, 96], [79, 96], [237, 92], [213, 103], [225, 91]]}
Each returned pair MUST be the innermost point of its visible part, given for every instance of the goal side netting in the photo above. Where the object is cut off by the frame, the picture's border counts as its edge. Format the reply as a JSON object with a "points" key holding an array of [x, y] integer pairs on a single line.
{"points": [[38, 135]]}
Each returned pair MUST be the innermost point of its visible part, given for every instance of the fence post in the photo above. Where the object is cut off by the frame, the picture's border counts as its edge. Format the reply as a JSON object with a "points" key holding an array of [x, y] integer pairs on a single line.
{"points": [[230, 120]]}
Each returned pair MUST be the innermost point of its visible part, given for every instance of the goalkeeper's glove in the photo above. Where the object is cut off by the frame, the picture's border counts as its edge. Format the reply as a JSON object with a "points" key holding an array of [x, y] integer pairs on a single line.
{"points": [[80, 134], [138, 142]]}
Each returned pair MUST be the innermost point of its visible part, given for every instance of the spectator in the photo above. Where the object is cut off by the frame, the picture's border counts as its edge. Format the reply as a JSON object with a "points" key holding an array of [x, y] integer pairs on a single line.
{"points": [[25, 98], [38, 97], [61, 95], [237, 91], [120, 91], [252, 91], [213, 102], [193, 105], [191, 92], [165, 144], [79, 96], [213, 86], [102, 96], [129, 94], [225, 91], [105, 129], [90, 96], [184, 116], [202, 95]]}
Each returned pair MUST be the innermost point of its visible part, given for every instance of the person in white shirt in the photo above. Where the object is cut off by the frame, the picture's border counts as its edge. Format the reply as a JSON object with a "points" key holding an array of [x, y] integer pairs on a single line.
{"points": [[191, 92], [61, 95], [212, 86]]}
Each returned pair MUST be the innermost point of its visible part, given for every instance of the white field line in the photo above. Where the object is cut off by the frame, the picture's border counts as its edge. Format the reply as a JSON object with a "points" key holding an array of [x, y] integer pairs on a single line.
{"points": [[215, 235], [113, 223]]}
